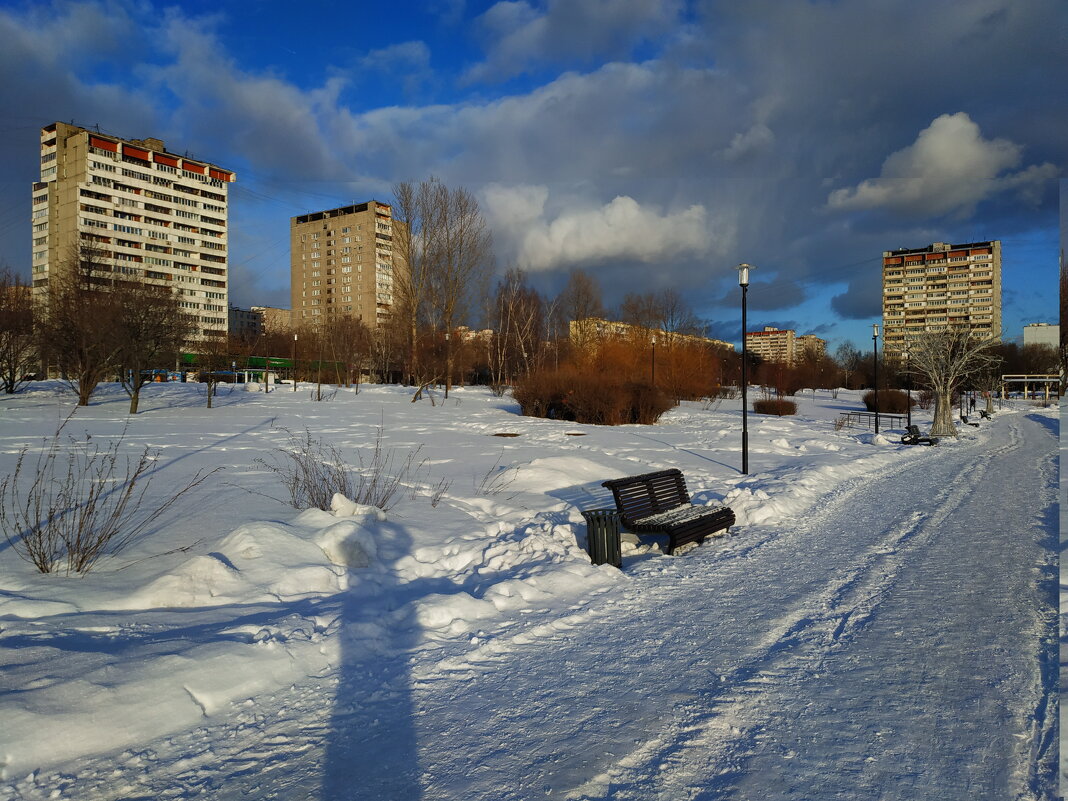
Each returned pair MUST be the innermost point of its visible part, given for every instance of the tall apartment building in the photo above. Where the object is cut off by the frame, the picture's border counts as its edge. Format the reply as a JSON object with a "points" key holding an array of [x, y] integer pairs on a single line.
{"points": [[152, 214], [932, 288], [773, 344], [342, 263]]}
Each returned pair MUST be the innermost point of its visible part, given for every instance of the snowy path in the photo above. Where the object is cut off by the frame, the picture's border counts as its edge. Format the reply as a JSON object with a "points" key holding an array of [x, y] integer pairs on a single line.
{"points": [[888, 646], [903, 660]]}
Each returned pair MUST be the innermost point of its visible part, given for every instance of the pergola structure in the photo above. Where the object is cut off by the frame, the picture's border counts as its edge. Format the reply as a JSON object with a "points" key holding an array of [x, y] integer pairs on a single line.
{"points": [[1046, 382]]}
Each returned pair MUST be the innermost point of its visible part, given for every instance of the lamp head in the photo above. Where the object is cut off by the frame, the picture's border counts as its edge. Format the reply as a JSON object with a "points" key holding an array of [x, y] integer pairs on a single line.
{"points": [[874, 330], [743, 273]]}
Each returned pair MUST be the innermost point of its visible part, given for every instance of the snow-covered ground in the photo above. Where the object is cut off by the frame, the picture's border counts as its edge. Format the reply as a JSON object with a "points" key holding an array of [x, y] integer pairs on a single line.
{"points": [[881, 623]]}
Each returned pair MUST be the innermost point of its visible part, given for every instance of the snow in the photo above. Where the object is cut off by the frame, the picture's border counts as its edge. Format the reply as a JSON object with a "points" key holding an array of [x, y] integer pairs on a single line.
{"points": [[461, 645]]}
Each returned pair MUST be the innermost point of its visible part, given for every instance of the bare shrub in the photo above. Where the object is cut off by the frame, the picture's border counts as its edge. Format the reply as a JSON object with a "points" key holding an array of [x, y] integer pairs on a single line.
{"points": [[497, 479], [774, 406], [313, 472], [891, 401], [711, 404], [78, 501], [842, 422]]}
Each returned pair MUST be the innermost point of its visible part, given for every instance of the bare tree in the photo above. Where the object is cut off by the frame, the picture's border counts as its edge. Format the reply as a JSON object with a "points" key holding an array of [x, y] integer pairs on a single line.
{"points": [[415, 241], [213, 357], [460, 255], [580, 300], [519, 329], [674, 315], [77, 323], [349, 341], [18, 347], [943, 361], [150, 328]]}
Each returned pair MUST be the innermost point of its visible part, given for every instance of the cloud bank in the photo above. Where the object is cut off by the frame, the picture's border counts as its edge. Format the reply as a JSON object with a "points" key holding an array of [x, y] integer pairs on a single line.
{"points": [[949, 169]]}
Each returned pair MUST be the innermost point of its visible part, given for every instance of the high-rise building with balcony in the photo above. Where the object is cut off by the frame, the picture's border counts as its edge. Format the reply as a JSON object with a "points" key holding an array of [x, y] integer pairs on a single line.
{"points": [[148, 213], [941, 285], [773, 344], [343, 264]]}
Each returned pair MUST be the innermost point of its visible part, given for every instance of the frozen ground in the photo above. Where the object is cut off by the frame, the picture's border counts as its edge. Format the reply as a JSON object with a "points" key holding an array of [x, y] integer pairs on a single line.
{"points": [[882, 623]]}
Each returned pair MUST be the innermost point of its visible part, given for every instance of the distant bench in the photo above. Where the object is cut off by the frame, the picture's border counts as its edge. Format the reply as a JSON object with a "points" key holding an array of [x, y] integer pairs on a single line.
{"points": [[658, 503], [914, 437]]}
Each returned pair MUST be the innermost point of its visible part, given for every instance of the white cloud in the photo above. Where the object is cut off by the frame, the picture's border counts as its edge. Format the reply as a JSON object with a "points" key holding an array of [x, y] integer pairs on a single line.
{"points": [[949, 169], [622, 230]]}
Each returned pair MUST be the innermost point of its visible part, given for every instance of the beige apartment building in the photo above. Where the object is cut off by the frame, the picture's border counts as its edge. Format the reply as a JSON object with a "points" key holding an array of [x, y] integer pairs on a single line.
{"points": [[152, 214], [931, 288], [274, 318], [591, 330], [773, 344], [811, 344], [343, 263]]}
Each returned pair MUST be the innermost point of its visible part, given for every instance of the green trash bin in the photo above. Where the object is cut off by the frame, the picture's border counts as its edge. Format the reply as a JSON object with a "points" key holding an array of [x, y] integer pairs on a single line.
{"points": [[602, 537]]}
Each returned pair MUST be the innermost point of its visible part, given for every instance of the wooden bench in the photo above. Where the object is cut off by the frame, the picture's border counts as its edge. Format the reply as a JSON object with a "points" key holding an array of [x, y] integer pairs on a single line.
{"points": [[658, 503], [914, 437], [964, 419], [985, 414]]}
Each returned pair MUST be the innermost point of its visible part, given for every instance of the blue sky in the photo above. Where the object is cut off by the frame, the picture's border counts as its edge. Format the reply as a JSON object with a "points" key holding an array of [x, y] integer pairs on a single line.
{"points": [[651, 144]]}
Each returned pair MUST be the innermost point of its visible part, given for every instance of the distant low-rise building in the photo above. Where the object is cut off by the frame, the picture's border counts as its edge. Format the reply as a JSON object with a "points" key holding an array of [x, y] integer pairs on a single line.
{"points": [[1042, 334], [591, 330], [245, 323], [275, 318], [810, 344]]}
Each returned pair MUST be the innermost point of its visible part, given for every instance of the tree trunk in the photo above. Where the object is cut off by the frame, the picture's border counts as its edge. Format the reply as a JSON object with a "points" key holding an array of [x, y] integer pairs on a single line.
{"points": [[135, 398], [943, 415]]}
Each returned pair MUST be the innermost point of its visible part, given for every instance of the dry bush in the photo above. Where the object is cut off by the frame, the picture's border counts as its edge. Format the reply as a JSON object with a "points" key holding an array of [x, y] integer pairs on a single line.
{"points": [[594, 395], [774, 406], [313, 471], [80, 501], [891, 401]]}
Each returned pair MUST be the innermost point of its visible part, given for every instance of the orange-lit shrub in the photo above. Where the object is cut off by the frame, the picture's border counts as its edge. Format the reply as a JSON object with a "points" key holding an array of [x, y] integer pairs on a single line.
{"points": [[775, 406], [593, 395], [891, 401]]}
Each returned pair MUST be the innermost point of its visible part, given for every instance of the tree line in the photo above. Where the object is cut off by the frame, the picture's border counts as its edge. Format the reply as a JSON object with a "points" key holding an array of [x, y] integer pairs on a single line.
{"points": [[103, 322]]}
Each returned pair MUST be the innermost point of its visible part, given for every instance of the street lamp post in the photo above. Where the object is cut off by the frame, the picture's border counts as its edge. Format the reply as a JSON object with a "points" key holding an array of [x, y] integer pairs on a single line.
{"points": [[652, 370], [908, 386], [743, 282], [294, 362], [875, 352]]}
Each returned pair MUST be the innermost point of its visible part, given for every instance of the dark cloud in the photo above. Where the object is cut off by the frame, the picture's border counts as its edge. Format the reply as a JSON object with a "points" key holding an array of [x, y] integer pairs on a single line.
{"points": [[724, 146], [520, 35], [862, 301]]}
